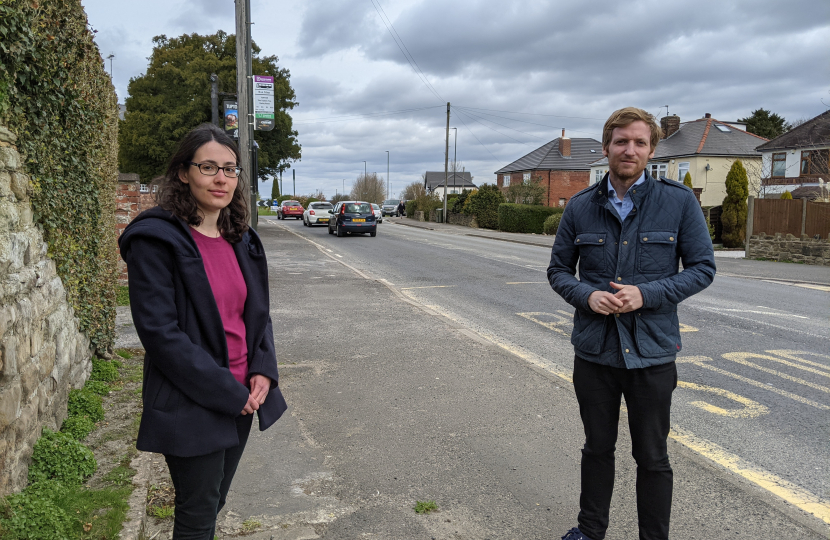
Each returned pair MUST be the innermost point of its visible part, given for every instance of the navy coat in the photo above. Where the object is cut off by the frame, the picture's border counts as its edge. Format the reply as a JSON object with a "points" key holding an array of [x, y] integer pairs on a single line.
{"points": [[665, 226], [190, 398]]}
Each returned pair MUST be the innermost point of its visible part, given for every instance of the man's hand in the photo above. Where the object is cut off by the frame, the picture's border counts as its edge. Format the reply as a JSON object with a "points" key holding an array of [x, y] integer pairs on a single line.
{"points": [[630, 297], [260, 385], [604, 303]]}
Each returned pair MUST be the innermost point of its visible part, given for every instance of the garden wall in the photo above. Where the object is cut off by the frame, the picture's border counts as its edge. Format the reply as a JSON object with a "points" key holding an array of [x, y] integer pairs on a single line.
{"points": [[786, 247]]}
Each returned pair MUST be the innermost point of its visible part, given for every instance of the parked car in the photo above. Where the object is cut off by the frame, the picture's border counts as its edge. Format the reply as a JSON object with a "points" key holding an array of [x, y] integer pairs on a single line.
{"points": [[390, 207], [353, 217], [378, 213], [289, 209], [317, 213]]}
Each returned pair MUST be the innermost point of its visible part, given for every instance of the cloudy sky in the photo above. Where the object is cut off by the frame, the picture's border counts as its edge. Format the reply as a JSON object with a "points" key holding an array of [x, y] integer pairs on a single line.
{"points": [[375, 75]]}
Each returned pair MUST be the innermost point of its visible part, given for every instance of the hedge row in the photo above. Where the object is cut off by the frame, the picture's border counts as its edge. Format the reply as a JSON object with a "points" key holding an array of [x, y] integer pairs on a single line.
{"points": [[525, 218]]}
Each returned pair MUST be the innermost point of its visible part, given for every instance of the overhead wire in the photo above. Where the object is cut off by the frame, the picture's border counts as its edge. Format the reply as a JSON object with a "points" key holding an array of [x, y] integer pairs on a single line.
{"points": [[537, 114], [346, 117], [527, 122]]}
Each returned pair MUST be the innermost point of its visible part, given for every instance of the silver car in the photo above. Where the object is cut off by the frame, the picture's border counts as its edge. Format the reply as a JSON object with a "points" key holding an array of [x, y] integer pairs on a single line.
{"points": [[317, 213], [378, 213]]}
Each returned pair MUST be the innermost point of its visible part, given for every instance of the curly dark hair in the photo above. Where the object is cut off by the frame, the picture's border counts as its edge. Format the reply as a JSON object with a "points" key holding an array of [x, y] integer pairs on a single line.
{"points": [[175, 196]]}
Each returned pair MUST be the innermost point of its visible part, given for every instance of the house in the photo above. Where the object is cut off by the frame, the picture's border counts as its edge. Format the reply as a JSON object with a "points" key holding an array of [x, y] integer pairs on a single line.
{"points": [[562, 166], [796, 159], [456, 182], [705, 148]]}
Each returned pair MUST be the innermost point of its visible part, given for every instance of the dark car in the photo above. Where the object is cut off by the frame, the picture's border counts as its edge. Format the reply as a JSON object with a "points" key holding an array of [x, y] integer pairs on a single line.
{"points": [[289, 209], [353, 217], [390, 207]]}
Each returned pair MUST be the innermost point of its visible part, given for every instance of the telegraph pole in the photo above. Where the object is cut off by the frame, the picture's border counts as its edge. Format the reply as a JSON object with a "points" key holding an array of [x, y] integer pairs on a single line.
{"points": [[244, 97], [214, 99], [446, 164], [387, 174]]}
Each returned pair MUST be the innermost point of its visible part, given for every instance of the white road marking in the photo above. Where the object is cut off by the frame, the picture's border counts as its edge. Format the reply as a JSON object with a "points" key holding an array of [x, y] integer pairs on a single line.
{"points": [[427, 287]]}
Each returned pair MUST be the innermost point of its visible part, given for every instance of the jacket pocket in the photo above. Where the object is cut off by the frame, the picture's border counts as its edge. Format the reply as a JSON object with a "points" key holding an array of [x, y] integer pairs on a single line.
{"points": [[591, 251], [656, 253], [588, 335], [657, 334], [165, 397]]}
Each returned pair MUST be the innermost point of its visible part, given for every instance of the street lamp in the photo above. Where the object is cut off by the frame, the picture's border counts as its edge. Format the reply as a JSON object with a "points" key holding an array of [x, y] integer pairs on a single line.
{"points": [[110, 57], [364, 178], [387, 174]]}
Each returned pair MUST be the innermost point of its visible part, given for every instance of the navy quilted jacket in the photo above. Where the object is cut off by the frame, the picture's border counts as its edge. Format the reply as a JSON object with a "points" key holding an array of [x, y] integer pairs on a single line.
{"points": [[665, 226]]}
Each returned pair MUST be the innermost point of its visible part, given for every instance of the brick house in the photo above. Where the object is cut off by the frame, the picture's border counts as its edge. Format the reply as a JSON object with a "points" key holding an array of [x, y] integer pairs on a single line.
{"points": [[562, 166], [131, 198]]}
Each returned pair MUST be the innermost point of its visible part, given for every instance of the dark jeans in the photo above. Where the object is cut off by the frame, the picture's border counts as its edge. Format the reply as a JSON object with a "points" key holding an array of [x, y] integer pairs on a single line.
{"points": [[202, 484], [647, 394]]}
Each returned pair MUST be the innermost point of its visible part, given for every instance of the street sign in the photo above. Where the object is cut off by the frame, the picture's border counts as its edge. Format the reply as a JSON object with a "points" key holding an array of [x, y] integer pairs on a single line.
{"points": [[231, 118], [263, 103]]}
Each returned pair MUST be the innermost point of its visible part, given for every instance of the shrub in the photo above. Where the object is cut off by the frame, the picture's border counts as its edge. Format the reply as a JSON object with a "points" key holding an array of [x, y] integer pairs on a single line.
{"points": [[524, 218], [33, 514], [551, 225], [85, 403], [733, 217], [787, 196], [687, 180], [103, 370], [97, 387], [459, 201], [410, 208], [484, 205], [78, 427], [58, 456], [526, 192]]}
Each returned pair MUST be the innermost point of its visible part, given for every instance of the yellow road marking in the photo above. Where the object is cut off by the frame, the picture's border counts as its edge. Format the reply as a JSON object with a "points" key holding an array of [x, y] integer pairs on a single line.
{"points": [[427, 287], [551, 325], [793, 494], [527, 283], [701, 361], [794, 355], [741, 358], [751, 409], [824, 288], [687, 328]]}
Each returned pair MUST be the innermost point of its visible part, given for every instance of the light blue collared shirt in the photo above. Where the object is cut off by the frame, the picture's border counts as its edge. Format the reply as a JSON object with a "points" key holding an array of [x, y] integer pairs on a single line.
{"points": [[623, 207]]}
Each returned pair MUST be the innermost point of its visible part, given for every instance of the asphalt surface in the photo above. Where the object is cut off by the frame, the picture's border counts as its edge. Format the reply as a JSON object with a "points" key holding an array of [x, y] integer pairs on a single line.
{"points": [[437, 364]]}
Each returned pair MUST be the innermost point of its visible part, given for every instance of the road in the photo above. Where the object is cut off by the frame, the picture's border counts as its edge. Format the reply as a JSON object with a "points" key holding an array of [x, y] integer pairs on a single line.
{"points": [[754, 370]]}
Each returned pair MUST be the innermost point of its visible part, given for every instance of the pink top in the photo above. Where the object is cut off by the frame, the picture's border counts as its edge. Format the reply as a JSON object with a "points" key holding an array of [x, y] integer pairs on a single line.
{"points": [[230, 292]]}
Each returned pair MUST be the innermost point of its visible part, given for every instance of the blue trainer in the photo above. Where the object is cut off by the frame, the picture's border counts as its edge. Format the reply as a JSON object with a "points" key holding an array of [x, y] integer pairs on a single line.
{"points": [[575, 534]]}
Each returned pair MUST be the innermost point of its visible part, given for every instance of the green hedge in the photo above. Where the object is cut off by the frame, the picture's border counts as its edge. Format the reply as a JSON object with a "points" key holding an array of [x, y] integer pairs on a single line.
{"points": [[525, 218], [552, 223], [56, 96]]}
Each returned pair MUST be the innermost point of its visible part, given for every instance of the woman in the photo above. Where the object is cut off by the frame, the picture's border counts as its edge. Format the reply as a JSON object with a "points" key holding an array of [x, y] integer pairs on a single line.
{"points": [[199, 298]]}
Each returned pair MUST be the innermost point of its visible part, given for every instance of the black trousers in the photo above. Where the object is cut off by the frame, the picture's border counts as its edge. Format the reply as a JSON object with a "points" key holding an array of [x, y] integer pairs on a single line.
{"points": [[647, 394], [202, 484]]}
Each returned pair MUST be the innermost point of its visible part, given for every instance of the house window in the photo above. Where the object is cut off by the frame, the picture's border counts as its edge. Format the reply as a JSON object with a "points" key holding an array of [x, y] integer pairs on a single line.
{"points": [[562, 202], [656, 170], [599, 174], [143, 188], [815, 161], [155, 188], [526, 177], [682, 169], [506, 180], [779, 164]]}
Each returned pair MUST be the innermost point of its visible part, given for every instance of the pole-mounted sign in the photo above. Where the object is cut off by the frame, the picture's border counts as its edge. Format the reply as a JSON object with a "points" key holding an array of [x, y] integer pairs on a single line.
{"points": [[231, 118], [263, 103]]}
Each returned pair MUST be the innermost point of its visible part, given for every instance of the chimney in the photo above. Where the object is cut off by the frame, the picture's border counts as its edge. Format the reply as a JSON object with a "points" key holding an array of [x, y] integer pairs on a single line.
{"points": [[707, 115], [670, 124], [564, 145]]}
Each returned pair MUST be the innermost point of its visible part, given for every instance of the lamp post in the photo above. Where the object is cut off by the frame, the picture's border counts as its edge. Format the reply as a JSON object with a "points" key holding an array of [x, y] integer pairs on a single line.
{"points": [[387, 174], [364, 178], [110, 57], [454, 159]]}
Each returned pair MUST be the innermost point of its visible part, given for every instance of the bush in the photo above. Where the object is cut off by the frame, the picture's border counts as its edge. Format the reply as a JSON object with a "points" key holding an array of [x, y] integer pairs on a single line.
{"points": [[524, 218], [58, 456], [103, 370], [85, 403], [78, 427], [551, 225], [733, 217], [459, 202], [484, 205], [687, 180], [410, 209], [34, 515], [787, 196], [97, 387]]}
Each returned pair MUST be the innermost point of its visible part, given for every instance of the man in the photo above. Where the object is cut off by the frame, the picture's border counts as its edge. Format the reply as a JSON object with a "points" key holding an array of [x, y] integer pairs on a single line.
{"points": [[628, 233]]}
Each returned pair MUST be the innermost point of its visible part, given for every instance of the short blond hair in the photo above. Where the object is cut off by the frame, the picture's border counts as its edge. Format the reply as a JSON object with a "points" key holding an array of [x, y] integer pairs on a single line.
{"points": [[626, 116]]}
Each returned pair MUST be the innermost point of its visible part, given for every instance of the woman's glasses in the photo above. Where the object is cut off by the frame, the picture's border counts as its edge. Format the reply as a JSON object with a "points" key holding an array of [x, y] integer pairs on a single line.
{"points": [[209, 169]]}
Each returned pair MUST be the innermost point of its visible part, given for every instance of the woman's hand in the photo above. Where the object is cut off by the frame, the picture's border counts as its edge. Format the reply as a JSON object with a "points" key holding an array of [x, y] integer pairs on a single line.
{"points": [[260, 385]]}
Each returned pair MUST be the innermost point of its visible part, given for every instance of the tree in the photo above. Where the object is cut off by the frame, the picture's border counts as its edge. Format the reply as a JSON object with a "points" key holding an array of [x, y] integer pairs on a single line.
{"points": [[787, 196], [484, 205], [370, 188], [687, 180], [765, 124], [275, 189], [413, 191], [734, 213], [173, 97], [526, 192], [339, 197]]}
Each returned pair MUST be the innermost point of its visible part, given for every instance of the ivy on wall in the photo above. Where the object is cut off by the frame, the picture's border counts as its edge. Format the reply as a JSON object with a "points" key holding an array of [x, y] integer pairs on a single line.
{"points": [[56, 96]]}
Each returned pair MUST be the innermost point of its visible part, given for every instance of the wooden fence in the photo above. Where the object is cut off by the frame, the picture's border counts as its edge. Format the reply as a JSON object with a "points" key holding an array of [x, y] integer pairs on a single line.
{"points": [[797, 217]]}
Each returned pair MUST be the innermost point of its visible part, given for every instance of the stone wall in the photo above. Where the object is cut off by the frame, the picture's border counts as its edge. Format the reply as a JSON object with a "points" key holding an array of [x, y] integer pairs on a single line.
{"points": [[789, 248], [129, 202], [462, 219], [42, 353]]}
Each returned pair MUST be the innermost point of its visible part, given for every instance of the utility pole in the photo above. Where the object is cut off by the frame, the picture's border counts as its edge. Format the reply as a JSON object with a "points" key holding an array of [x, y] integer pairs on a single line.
{"points": [[446, 164], [294, 178], [455, 160], [281, 185], [243, 91], [387, 174], [214, 99]]}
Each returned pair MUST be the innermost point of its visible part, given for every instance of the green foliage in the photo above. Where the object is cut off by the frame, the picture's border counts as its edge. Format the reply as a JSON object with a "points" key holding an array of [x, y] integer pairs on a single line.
{"points": [[59, 456], [734, 213], [85, 403], [787, 195], [410, 209], [284, 198], [425, 507], [484, 205], [97, 387], [78, 427], [459, 201], [526, 192], [551, 225], [173, 97], [57, 98], [765, 123], [524, 218], [120, 475], [103, 370], [162, 512], [124, 353], [275, 189], [34, 514], [687, 180], [122, 296]]}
